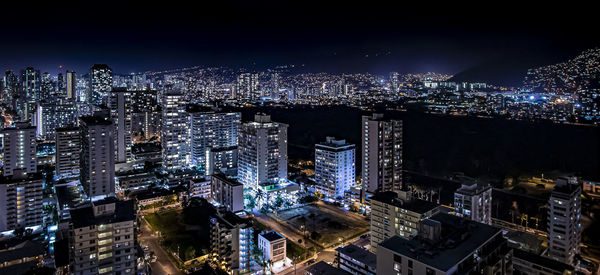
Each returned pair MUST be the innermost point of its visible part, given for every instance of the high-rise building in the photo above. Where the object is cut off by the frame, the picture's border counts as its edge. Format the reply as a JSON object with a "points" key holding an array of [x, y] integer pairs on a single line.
{"points": [[102, 238], [174, 134], [21, 200], [47, 90], [120, 109], [30, 93], [71, 86], [247, 86], [334, 167], [222, 160], [68, 146], [473, 200], [100, 84], [262, 152], [394, 215], [231, 240], [227, 192], [356, 260], [97, 156], [19, 149], [146, 114], [211, 130], [381, 154], [564, 220], [50, 115]]}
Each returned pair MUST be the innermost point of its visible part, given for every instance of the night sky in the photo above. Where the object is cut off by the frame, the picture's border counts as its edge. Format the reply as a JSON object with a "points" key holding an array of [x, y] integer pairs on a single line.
{"points": [[366, 36]]}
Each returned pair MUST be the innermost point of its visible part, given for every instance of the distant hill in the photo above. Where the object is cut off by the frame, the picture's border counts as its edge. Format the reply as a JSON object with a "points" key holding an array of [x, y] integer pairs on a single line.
{"points": [[509, 71], [500, 71], [572, 75]]}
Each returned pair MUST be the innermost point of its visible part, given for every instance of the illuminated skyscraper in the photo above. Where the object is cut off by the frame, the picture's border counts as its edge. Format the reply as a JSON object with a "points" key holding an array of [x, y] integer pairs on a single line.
{"points": [[174, 133], [100, 84], [210, 131], [68, 146], [71, 86], [334, 167], [381, 154], [19, 149], [97, 157], [120, 109], [262, 151]]}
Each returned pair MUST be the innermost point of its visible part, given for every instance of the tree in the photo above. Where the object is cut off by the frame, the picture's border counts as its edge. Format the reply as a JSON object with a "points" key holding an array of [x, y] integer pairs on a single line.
{"points": [[312, 217], [190, 253]]}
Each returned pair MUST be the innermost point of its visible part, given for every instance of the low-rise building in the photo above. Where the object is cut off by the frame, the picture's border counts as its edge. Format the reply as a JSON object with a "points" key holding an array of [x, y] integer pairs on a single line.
{"points": [[322, 268], [227, 192], [273, 246], [447, 244], [231, 241], [529, 263], [356, 260], [102, 239], [393, 215]]}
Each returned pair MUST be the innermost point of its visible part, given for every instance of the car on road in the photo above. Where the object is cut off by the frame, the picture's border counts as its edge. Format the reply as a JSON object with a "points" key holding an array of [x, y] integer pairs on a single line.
{"points": [[311, 261]]}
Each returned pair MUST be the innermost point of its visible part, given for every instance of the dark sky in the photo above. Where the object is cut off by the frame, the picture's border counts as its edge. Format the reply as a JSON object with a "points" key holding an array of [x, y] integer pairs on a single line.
{"points": [[350, 36]]}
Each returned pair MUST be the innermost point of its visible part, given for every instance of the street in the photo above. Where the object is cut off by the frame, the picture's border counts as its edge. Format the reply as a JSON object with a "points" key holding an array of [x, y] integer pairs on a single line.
{"points": [[164, 264]]}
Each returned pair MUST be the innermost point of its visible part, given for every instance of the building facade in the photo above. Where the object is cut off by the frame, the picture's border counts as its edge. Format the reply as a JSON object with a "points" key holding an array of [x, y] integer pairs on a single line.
{"points": [[97, 156], [474, 201], [395, 216], [211, 131], [564, 221], [103, 237], [120, 110], [273, 246], [231, 241], [334, 167], [100, 84], [19, 149], [174, 133], [381, 143], [262, 152], [227, 192], [68, 146]]}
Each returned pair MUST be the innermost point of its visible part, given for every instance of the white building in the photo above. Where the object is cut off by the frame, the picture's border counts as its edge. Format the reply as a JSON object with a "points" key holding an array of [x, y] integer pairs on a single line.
{"points": [[211, 131], [174, 133], [50, 116], [381, 143], [262, 152], [102, 239], [564, 221], [473, 200], [273, 246], [68, 146], [97, 159], [19, 149], [334, 167], [227, 192]]}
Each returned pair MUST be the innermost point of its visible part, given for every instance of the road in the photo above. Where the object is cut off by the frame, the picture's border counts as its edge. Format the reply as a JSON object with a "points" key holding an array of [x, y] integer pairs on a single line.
{"points": [[164, 264]]}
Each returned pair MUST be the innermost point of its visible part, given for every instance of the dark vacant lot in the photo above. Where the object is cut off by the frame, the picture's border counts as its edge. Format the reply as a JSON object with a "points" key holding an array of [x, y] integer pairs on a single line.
{"points": [[440, 145]]}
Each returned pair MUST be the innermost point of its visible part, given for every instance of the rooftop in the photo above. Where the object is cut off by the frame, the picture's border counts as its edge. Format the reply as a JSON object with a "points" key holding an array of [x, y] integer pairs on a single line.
{"points": [[322, 268], [414, 205], [359, 254], [83, 217], [541, 260], [272, 236], [459, 238]]}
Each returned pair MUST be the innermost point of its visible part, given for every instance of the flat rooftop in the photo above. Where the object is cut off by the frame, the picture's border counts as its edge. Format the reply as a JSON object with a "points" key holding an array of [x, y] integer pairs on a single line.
{"points": [[459, 238], [83, 217], [322, 268], [272, 236], [414, 205], [362, 255]]}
